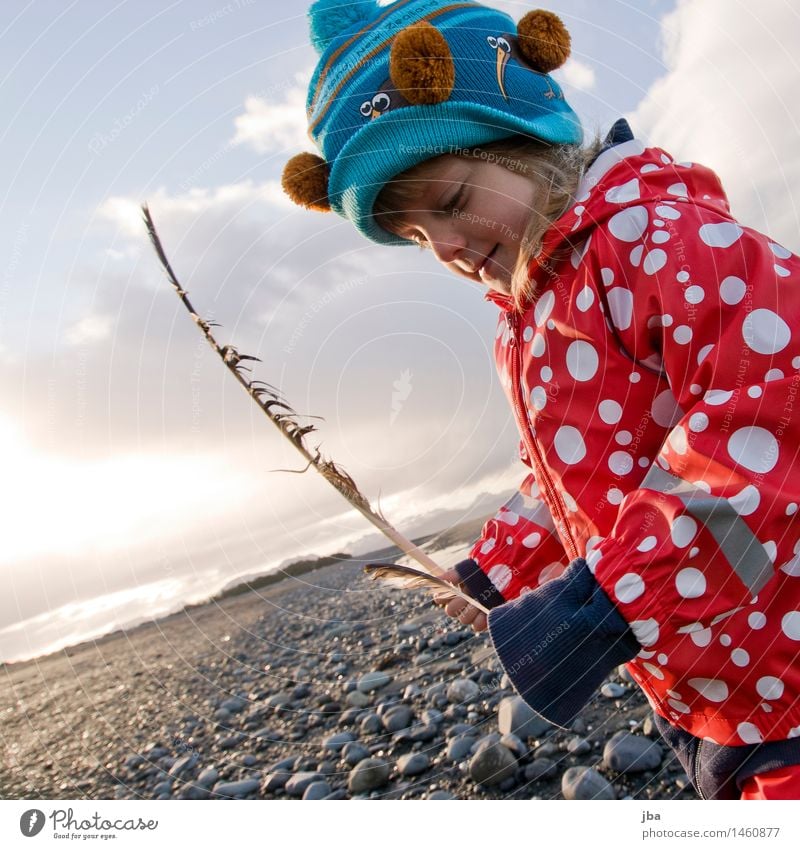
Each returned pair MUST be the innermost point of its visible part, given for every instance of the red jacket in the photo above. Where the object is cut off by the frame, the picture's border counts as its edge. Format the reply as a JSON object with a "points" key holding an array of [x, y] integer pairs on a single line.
{"points": [[654, 379]]}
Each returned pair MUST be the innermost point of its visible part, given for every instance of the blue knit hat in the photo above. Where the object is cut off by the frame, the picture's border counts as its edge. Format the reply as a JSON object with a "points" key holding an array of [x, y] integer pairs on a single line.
{"points": [[400, 83]]}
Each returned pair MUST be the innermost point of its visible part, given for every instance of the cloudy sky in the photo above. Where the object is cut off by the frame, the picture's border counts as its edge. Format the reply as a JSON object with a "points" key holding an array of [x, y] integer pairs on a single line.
{"points": [[137, 474]]}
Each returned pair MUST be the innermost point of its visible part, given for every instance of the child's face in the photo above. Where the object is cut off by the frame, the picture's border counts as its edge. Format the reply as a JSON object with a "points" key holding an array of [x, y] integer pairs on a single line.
{"points": [[473, 214]]}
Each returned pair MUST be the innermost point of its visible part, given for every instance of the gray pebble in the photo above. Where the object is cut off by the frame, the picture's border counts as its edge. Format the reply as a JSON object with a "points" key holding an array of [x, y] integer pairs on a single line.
{"points": [[296, 786], [578, 746], [515, 717], [183, 765], [540, 770], [357, 699], [581, 782], [276, 780], [353, 753], [397, 717], [492, 764], [512, 742], [626, 752], [411, 691], [336, 742], [373, 681], [235, 705], [317, 790], [237, 789], [622, 671], [413, 763], [208, 776], [369, 774], [459, 747], [371, 724], [462, 690], [612, 690], [545, 750], [440, 795]]}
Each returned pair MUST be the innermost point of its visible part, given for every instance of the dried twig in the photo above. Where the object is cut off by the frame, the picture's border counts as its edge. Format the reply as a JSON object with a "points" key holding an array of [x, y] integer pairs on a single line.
{"points": [[284, 417]]}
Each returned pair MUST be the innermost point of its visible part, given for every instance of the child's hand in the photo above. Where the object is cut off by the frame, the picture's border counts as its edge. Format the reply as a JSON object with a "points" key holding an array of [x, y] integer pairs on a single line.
{"points": [[458, 608]]}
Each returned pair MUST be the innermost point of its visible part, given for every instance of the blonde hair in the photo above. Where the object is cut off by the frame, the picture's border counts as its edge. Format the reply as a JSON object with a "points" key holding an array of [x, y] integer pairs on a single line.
{"points": [[556, 171]]}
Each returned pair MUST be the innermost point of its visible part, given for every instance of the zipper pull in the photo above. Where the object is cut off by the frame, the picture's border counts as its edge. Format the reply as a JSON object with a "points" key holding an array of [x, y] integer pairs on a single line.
{"points": [[512, 329]]}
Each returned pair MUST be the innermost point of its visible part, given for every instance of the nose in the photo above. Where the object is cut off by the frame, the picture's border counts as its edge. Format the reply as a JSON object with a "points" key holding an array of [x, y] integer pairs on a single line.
{"points": [[448, 244]]}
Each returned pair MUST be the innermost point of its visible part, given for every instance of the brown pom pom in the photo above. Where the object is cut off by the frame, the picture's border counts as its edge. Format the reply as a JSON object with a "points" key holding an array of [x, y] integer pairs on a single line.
{"points": [[420, 64], [305, 180], [543, 40]]}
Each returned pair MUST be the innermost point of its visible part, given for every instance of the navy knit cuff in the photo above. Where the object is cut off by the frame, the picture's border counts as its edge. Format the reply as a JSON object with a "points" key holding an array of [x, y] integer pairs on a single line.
{"points": [[558, 643], [475, 581]]}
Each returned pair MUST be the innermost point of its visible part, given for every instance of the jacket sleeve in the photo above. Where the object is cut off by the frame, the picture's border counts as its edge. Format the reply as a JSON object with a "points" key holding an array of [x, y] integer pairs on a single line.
{"points": [[517, 551], [715, 306]]}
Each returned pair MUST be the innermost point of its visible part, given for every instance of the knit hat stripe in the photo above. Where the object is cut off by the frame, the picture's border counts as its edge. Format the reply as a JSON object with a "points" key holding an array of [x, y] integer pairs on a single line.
{"points": [[358, 64]]}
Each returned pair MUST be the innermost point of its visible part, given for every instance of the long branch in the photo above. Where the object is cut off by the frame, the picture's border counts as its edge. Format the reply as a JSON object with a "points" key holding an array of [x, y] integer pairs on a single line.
{"points": [[285, 418]]}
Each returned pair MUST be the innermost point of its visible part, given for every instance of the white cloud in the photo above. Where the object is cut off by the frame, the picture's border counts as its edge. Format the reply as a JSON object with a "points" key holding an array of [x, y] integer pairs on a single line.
{"points": [[579, 75], [269, 127], [91, 328], [729, 101]]}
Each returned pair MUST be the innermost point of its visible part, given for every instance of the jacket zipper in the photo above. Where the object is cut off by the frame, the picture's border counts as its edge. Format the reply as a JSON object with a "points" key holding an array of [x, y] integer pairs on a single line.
{"points": [[526, 429], [696, 770]]}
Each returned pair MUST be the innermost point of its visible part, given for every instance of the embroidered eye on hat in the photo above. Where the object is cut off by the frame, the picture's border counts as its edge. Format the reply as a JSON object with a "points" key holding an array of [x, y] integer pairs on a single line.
{"points": [[397, 84]]}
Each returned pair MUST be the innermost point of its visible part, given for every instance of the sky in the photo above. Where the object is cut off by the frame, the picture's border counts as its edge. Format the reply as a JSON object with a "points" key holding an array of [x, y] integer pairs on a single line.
{"points": [[137, 473]]}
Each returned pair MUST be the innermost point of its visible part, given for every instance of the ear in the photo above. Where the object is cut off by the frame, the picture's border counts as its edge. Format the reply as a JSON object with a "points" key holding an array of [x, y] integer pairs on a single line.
{"points": [[420, 64], [305, 180], [543, 40]]}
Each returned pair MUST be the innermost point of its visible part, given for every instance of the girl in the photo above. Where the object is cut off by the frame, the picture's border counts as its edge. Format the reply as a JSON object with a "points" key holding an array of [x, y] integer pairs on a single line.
{"points": [[648, 346]]}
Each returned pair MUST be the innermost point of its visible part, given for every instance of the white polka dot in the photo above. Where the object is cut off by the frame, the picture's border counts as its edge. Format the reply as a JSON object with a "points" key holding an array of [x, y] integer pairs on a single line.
{"points": [[732, 290], [629, 587], [791, 508], [607, 276], [725, 640], [717, 397], [569, 445], [756, 621], [790, 624], [647, 544], [755, 448], [508, 517], [592, 559], [610, 411], [668, 212], [694, 551], [645, 631], [628, 225], [704, 352], [623, 437], [746, 501], [769, 688], [487, 546], [698, 422], [710, 688], [532, 540], [773, 374], [625, 193], [546, 373], [749, 733], [779, 251], [537, 348], [690, 583], [643, 461], [781, 271], [585, 299], [740, 657], [538, 397], [682, 276], [765, 332], [636, 256], [796, 362], [654, 671], [678, 705], [620, 303], [677, 440], [771, 549], [683, 531], [527, 333], [702, 637], [654, 261], [659, 237], [695, 388], [651, 166], [620, 462], [754, 391], [634, 377], [544, 306], [509, 540], [500, 576], [614, 495], [694, 294], [551, 325], [721, 235], [582, 360], [665, 409], [682, 334]]}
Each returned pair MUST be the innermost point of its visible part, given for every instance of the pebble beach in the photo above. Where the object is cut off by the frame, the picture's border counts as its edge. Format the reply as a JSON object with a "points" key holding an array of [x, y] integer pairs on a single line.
{"points": [[325, 687]]}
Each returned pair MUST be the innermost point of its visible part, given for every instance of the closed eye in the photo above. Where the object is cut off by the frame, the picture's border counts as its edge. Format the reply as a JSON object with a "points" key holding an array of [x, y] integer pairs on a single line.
{"points": [[455, 201]]}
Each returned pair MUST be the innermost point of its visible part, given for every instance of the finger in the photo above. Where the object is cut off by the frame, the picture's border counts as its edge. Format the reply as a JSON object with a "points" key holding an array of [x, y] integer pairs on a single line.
{"points": [[467, 616], [480, 623], [442, 597], [455, 607]]}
